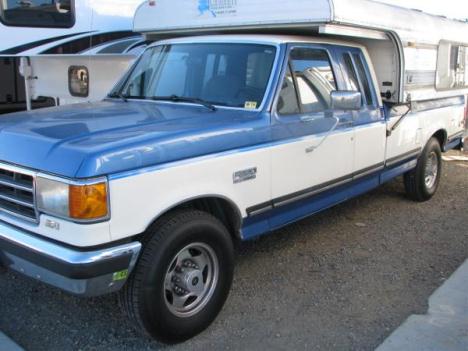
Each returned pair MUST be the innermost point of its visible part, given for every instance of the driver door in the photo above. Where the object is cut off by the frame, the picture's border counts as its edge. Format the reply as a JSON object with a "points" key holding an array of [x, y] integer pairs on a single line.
{"points": [[318, 151]]}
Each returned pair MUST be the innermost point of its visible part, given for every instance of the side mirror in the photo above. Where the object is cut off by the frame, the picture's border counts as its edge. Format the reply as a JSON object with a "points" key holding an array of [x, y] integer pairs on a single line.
{"points": [[346, 100]]}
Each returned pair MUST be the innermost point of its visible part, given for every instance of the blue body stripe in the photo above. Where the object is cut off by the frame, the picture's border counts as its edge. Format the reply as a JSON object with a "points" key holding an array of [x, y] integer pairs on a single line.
{"points": [[391, 173], [453, 144], [278, 217]]}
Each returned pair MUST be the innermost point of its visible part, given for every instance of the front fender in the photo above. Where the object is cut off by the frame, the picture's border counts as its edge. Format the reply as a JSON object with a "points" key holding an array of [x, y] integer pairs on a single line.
{"points": [[138, 198]]}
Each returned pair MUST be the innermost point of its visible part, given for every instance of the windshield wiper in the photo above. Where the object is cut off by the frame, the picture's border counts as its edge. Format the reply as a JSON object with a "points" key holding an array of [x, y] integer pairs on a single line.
{"points": [[176, 98]]}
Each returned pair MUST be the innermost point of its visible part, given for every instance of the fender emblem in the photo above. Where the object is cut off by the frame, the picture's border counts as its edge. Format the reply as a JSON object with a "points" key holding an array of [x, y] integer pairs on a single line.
{"points": [[52, 224], [245, 175]]}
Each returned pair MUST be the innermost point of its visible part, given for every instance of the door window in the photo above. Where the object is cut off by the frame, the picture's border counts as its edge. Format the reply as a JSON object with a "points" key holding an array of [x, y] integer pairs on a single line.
{"points": [[288, 103], [38, 13], [308, 83]]}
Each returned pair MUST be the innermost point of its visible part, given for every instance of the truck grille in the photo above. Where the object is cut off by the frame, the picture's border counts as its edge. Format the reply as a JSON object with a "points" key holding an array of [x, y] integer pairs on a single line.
{"points": [[17, 196]]}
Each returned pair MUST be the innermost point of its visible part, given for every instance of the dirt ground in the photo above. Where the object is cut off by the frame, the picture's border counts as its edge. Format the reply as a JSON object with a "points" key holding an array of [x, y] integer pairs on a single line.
{"points": [[341, 280]]}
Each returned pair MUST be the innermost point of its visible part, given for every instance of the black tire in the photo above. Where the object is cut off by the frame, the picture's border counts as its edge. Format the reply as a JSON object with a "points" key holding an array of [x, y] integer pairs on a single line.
{"points": [[415, 180], [144, 296]]}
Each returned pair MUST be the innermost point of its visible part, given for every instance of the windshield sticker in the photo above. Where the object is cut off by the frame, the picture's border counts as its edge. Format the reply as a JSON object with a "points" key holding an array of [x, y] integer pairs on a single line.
{"points": [[251, 105], [217, 8]]}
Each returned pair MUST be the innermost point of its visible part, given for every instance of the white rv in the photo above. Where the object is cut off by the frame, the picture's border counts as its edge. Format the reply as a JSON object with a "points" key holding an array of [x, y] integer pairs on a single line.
{"points": [[35, 27], [275, 111]]}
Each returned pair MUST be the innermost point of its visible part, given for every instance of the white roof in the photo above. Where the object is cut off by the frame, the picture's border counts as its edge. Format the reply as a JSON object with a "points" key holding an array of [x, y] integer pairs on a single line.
{"points": [[189, 16]]}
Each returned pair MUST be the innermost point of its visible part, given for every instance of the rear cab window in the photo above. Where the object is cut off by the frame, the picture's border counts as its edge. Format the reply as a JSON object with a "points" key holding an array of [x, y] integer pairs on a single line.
{"points": [[38, 13], [367, 86], [358, 77]]}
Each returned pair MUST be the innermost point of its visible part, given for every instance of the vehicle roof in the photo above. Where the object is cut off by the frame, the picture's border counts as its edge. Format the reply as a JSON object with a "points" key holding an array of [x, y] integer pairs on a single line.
{"points": [[268, 39]]}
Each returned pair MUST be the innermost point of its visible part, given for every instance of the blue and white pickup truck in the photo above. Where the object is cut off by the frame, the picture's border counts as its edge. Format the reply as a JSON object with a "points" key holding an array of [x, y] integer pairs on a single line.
{"points": [[205, 141]]}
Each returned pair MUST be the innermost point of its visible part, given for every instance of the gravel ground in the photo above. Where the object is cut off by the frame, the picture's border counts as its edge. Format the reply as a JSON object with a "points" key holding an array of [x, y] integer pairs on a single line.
{"points": [[342, 280]]}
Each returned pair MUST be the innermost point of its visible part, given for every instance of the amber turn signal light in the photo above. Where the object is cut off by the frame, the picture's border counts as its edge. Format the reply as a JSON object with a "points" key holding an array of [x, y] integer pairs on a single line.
{"points": [[88, 202]]}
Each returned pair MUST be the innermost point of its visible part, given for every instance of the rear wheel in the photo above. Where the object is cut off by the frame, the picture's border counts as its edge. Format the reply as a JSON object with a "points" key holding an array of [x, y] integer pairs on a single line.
{"points": [[183, 276], [422, 182]]}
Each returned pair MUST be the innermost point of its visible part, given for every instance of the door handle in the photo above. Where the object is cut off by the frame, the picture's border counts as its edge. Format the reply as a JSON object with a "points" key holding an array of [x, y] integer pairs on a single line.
{"points": [[308, 118], [346, 124], [311, 149]]}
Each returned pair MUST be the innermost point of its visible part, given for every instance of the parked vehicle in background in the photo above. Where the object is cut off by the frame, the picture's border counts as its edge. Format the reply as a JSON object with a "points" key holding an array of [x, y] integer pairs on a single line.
{"points": [[228, 136], [53, 27], [86, 76]]}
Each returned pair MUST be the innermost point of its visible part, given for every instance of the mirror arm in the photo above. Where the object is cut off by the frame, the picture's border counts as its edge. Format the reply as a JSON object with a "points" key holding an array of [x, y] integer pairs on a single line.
{"points": [[397, 123], [310, 149]]}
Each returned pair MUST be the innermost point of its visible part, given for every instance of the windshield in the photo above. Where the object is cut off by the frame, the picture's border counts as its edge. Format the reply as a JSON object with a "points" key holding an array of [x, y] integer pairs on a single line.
{"points": [[37, 13], [234, 75]]}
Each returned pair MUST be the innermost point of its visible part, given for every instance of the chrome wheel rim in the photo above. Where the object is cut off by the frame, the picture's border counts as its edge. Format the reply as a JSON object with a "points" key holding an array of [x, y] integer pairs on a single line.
{"points": [[191, 279], [432, 170]]}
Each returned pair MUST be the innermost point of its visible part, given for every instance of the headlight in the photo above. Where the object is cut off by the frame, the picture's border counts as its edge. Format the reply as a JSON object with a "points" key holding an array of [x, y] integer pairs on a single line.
{"points": [[83, 202]]}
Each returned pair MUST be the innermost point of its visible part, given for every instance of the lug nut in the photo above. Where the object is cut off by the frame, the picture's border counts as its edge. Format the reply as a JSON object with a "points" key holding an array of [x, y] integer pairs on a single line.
{"points": [[180, 291], [180, 269]]}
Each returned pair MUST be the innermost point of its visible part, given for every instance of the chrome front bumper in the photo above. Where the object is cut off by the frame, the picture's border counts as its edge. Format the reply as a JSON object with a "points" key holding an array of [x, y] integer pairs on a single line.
{"points": [[84, 273]]}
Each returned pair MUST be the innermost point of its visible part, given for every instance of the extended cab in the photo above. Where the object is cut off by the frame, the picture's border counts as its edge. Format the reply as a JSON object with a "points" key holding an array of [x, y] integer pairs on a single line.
{"points": [[206, 140]]}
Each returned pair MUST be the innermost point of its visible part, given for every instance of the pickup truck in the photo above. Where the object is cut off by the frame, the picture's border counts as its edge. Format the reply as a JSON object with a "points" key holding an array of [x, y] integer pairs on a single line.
{"points": [[206, 141]]}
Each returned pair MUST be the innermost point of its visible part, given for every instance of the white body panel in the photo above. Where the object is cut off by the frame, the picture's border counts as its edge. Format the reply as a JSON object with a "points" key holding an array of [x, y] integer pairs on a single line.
{"points": [[75, 234], [369, 146], [141, 197], [195, 15], [411, 26], [293, 169], [406, 138], [416, 128], [448, 118]]}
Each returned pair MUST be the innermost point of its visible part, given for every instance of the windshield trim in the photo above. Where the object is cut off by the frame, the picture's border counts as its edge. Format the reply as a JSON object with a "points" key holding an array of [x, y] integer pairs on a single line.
{"points": [[266, 96]]}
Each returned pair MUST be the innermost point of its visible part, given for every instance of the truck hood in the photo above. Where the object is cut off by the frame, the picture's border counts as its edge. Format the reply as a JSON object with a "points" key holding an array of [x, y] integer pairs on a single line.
{"points": [[89, 140]]}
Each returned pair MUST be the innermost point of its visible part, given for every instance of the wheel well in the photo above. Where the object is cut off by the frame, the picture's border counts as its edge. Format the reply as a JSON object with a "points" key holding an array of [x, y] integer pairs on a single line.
{"points": [[221, 208], [441, 136]]}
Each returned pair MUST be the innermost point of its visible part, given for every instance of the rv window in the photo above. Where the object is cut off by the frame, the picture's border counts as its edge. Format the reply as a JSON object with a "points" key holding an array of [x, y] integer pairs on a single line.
{"points": [[452, 66], [38, 13], [78, 81]]}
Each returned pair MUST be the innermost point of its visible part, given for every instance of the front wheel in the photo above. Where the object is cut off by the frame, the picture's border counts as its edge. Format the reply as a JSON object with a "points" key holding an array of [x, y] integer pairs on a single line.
{"points": [[183, 276], [422, 183]]}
